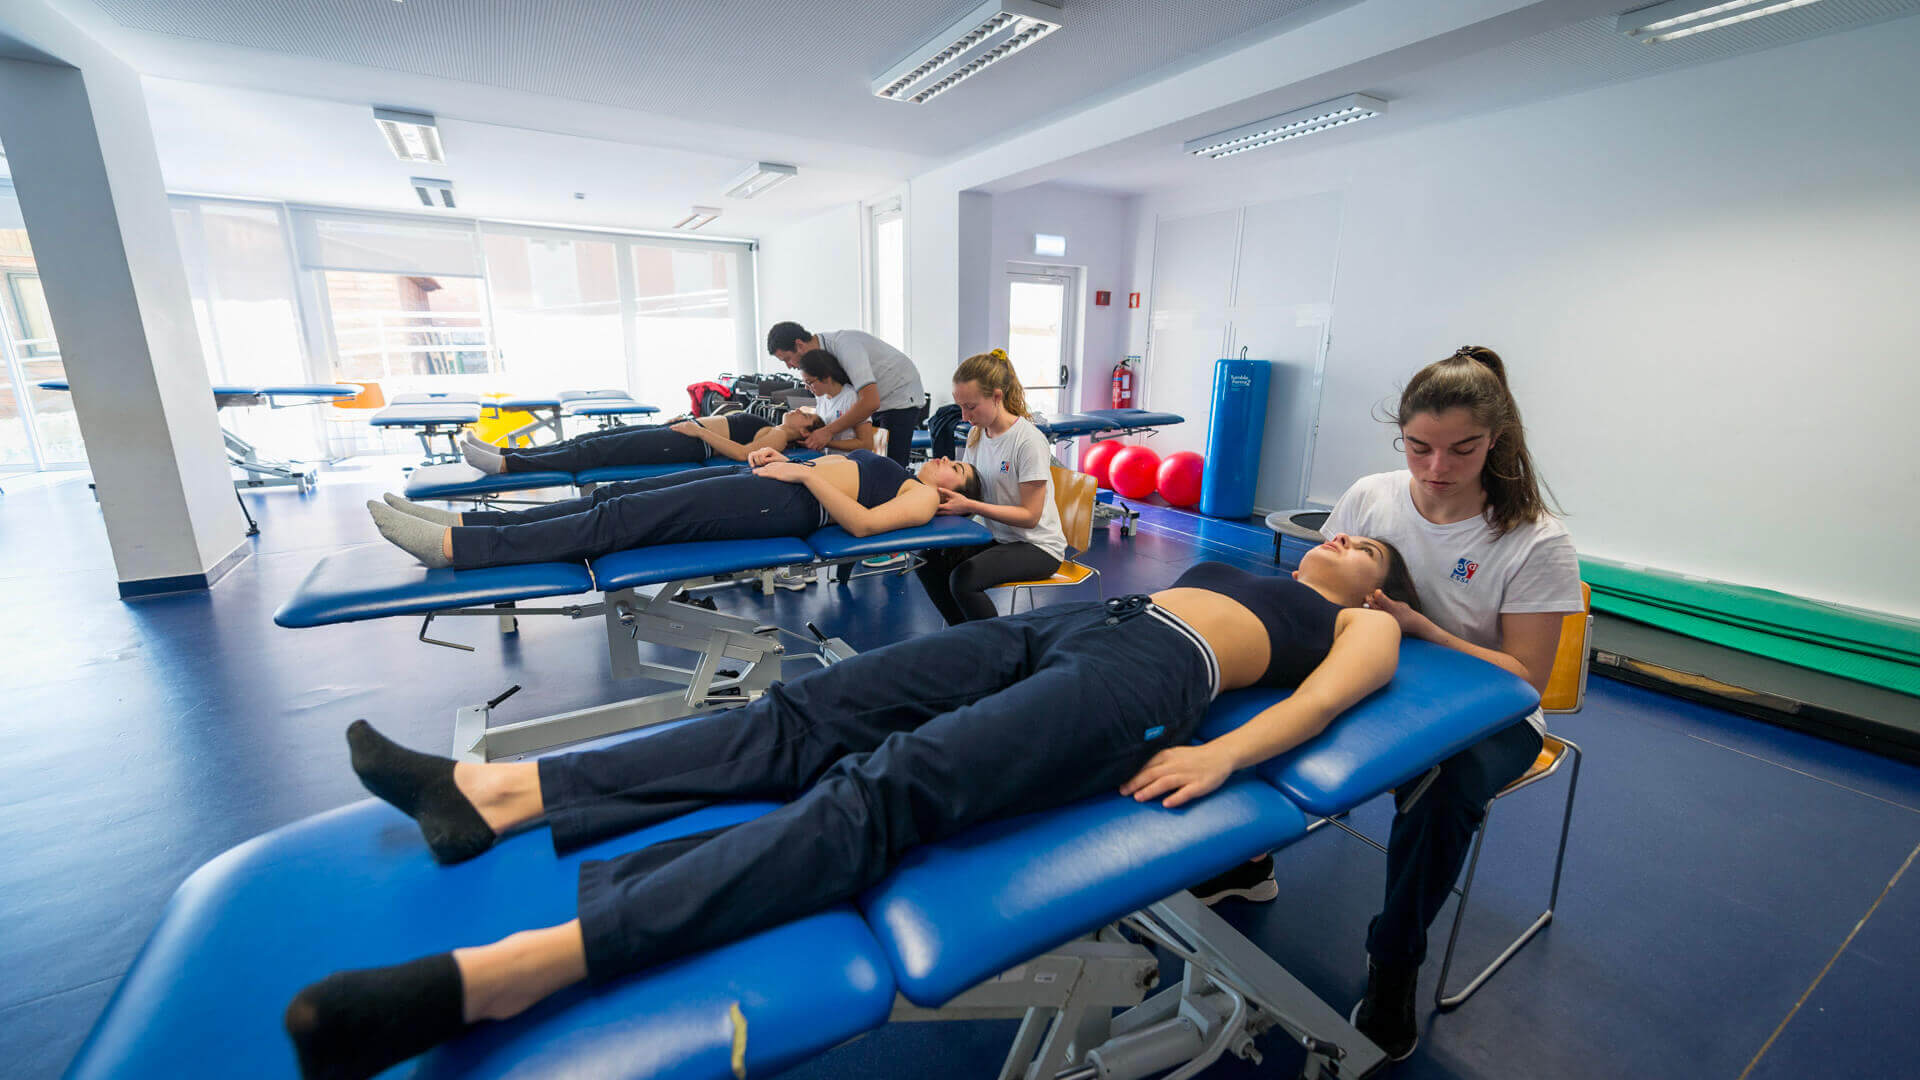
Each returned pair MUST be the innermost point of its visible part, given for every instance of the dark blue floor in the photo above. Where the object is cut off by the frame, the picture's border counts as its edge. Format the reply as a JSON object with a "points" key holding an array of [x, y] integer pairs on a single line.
{"points": [[1716, 866]]}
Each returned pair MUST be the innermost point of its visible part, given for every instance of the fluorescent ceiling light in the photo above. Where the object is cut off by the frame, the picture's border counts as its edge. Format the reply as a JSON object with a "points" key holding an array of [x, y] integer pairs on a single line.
{"points": [[1684, 18], [1288, 125], [987, 35], [427, 187], [411, 136], [758, 178], [701, 215]]}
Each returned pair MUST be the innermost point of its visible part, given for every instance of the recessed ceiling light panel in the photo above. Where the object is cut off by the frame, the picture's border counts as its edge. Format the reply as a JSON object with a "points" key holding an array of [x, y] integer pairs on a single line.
{"points": [[411, 136], [758, 178], [1685, 18], [700, 216], [1287, 125], [985, 36]]}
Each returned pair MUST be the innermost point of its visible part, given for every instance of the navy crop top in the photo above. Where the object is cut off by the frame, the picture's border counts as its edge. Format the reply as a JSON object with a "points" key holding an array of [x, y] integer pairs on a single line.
{"points": [[880, 477], [742, 426], [1299, 621]]}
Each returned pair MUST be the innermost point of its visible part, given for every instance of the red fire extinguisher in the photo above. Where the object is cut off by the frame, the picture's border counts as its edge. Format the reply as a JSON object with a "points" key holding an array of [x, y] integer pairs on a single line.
{"points": [[1123, 384]]}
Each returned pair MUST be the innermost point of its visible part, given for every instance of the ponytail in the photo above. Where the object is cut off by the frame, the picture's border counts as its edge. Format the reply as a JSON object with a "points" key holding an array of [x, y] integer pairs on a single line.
{"points": [[993, 371], [1475, 378]]}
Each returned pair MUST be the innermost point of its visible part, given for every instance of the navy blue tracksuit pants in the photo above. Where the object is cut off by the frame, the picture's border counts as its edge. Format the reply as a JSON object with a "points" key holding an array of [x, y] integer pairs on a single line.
{"points": [[621, 446], [905, 745], [724, 503], [1429, 842]]}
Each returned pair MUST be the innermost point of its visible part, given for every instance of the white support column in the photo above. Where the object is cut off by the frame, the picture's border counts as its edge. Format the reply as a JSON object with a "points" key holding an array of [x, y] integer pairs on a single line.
{"points": [[81, 150]]}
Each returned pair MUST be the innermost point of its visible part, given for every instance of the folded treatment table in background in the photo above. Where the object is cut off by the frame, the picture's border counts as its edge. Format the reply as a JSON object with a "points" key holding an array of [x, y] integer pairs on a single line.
{"points": [[377, 581], [258, 471], [988, 923], [431, 416]]}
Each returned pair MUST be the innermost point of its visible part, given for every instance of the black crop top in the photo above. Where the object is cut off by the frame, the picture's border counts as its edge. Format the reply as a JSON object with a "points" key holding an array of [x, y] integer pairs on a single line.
{"points": [[1299, 621], [743, 426], [880, 477]]}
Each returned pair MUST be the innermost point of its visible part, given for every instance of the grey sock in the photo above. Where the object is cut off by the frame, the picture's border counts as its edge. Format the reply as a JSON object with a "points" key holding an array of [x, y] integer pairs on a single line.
{"points": [[424, 513], [470, 437], [420, 539], [485, 460]]}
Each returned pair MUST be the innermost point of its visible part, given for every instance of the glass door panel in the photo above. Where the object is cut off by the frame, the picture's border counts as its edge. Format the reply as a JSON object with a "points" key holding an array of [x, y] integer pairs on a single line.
{"points": [[1037, 329]]}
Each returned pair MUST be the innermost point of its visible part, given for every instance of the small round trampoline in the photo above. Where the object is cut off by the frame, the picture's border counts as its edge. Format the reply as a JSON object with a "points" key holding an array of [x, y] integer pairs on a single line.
{"points": [[1302, 527]]}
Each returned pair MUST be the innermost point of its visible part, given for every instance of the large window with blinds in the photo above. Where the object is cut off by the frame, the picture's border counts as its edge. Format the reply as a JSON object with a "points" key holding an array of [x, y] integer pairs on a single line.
{"points": [[315, 294]]}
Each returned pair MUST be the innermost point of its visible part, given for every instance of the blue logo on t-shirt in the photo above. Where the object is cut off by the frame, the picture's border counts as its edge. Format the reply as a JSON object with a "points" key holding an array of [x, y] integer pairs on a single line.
{"points": [[1463, 571], [1005, 466]]}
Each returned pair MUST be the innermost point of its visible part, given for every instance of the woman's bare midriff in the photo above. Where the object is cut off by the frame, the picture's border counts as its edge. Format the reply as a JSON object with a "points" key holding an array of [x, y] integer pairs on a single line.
{"points": [[1238, 639], [841, 472]]}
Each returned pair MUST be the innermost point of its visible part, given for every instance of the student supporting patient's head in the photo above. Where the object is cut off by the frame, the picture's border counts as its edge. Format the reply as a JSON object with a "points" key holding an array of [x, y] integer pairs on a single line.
{"points": [[985, 386], [822, 373], [1353, 566], [1460, 429], [800, 423], [953, 476]]}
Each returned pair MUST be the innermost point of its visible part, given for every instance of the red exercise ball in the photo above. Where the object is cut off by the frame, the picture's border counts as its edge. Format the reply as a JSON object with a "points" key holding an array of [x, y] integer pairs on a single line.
{"points": [[1133, 472], [1180, 478], [1097, 459]]}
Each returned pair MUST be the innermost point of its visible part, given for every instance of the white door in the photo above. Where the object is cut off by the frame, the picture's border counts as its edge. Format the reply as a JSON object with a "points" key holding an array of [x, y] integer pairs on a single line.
{"points": [[1040, 336]]}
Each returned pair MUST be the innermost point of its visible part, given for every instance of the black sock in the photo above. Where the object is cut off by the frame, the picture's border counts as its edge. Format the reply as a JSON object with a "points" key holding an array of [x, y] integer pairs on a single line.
{"points": [[421, 786], [356, 1024]]}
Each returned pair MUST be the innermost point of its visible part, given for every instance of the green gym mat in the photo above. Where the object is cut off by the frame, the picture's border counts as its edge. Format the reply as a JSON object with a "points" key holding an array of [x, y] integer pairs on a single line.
{"points": [[1881, 650]]}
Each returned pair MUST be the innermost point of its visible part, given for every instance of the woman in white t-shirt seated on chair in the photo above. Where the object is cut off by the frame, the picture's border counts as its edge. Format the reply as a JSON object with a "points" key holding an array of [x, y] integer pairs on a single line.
{"points": [[1014, 463], [1497, 574]]}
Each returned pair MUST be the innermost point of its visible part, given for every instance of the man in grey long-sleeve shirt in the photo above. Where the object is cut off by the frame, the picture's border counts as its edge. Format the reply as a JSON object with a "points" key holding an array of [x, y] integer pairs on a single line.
{"points": [[885, 381]]}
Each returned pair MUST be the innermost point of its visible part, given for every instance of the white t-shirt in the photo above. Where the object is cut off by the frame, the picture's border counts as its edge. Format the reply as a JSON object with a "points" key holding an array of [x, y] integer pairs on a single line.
{"points": [[833, 408], [1018, 455], [1467, 579], [867, 359]]}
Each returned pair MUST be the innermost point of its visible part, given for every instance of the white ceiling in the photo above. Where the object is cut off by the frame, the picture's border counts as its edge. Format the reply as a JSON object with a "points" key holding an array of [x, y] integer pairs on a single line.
{"points": [[1565, 59], [650, 106], [228, 141], [768, 65]]}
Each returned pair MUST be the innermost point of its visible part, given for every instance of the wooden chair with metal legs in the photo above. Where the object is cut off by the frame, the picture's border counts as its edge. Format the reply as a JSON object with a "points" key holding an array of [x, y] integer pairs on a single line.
{"points": [[1073, 496], [1566, 688]]}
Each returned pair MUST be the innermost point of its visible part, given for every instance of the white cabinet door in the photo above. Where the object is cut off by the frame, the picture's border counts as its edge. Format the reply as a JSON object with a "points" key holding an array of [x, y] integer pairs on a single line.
{"points": [[1283, 301]]}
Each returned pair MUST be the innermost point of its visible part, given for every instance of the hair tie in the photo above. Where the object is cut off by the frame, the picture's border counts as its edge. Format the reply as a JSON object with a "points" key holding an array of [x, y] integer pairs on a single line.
{"points": [[998, 354]]}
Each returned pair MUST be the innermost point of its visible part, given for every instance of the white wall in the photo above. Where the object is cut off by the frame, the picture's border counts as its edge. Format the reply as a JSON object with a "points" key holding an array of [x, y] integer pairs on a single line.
{"points": [[809, 273], [1703, 283], [1099, 231]]}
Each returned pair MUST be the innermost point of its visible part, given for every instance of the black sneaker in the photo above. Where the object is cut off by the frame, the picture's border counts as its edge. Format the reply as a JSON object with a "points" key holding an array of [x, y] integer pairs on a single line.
{"points": [[1248, 881], [1385, 1015]]}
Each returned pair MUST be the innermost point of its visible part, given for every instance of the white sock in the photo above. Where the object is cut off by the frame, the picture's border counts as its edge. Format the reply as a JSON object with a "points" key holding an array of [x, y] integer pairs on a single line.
{"points": [[486, 461], [420, 539], [439, 517]]}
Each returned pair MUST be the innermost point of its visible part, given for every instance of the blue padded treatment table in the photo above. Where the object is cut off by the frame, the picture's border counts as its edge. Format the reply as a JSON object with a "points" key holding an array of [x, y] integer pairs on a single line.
{"points": [[375, 581], [943, 915], [671, 562], [459, 480], [1072, 426], [319, 391], [425, 414], [356, 887], [1134, 419], [437, 397], [1439, 703]]}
